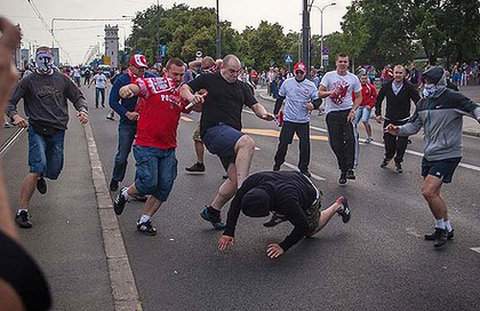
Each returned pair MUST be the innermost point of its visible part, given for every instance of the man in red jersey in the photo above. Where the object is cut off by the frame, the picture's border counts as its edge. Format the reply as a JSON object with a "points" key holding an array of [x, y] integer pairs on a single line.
{"points": [[156, 140]]}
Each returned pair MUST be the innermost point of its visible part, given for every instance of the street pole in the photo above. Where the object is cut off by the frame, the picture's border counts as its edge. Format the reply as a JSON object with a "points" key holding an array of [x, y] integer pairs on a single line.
{"points": [[321, 31], [306, 37], [219, 42], [158, 31]]}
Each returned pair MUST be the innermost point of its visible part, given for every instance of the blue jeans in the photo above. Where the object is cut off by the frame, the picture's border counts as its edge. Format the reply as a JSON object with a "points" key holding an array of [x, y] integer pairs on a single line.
{"points": [[45, 153], [156, 171], [362, 114], [126, 136], [102, 92]]}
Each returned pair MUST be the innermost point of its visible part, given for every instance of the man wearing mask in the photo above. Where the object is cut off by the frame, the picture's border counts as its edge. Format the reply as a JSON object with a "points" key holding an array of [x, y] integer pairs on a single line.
{"points": [[440, 113], [399, 94], [125, 107], [301, 97], [45, 93]]}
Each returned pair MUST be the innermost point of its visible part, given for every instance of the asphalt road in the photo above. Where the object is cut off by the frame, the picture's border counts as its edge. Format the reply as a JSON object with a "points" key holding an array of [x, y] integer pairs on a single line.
{"points": [[378, 261]]}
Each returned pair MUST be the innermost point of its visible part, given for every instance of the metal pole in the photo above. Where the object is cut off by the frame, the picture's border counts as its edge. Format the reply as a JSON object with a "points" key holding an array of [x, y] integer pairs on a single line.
{"points": [[321, 40], [306, 37], [158, 30], [219, 42]]}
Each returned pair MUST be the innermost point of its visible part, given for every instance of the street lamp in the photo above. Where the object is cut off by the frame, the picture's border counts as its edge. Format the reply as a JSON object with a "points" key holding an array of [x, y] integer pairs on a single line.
{"points": [[219, 42], [321, 28]]}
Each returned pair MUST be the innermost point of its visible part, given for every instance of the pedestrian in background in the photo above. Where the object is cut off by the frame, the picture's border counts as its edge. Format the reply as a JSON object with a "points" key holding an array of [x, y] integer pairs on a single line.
{"points": [[100, 85]]}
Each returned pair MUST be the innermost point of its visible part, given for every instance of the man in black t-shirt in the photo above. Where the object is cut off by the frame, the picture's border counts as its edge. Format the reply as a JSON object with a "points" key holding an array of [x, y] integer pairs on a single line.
{"points": [[290, 194], [220, 127]]}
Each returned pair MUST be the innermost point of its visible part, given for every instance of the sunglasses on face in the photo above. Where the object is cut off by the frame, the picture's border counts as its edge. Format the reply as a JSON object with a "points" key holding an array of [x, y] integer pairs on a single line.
{"points": [[298, 72]]}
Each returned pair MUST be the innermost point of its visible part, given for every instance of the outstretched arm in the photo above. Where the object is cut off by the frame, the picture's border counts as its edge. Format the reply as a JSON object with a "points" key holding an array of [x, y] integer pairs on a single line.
{"points": [[262, 113]]}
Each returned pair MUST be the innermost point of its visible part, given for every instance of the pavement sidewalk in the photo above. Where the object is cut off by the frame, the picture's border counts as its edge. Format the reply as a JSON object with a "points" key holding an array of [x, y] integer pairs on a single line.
{"points": [[470, 126]]}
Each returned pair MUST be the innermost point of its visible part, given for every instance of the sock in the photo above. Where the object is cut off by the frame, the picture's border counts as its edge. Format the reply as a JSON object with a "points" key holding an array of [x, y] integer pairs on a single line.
{"points": [[144, 218], [439, 223], [125, 194], [21, 210], [448, 225]]}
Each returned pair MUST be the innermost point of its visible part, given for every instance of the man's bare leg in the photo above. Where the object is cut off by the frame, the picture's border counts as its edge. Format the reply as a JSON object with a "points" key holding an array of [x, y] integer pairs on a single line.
{"points": [[328, 213], [28, 187], [151, 206], [227, 190], [368, 129], [431, 192], [244, 149], [199, 150]]}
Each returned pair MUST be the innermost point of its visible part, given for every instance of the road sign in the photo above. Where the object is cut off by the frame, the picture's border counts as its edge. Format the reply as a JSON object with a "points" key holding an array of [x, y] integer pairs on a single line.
{"points": [[325, 50], [325, 57], [107, 60], [289, 58]]}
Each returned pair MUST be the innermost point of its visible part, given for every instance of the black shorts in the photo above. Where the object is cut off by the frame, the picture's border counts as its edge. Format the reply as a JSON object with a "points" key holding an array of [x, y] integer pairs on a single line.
{"points": [[220, 140], [442, 169]]}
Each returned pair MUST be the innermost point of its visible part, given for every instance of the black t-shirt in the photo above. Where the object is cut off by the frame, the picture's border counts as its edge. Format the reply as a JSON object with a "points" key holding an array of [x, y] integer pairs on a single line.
{"points": [[21, 272], [224, 102]]}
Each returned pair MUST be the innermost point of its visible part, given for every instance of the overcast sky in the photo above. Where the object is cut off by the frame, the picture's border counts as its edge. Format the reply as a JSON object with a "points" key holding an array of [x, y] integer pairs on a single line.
{"points": [[76, 37]]}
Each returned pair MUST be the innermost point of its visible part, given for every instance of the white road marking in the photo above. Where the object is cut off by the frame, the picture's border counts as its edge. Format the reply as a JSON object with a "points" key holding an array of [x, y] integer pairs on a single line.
{"points": [[475, 249], [314, 176], [415, 153]]}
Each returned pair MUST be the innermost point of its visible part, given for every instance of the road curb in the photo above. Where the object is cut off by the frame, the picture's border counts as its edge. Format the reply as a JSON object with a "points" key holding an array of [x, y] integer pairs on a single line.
{"points": [[464, 132], [122, 281]]}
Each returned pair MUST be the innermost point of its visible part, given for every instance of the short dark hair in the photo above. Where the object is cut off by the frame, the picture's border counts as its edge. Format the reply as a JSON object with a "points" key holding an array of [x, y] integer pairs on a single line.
{"points": [[174, 61], [341, 55]]}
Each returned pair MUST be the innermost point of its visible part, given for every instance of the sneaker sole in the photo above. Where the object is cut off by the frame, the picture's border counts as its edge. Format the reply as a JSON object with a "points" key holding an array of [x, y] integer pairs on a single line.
{"points": [[216, 225]]}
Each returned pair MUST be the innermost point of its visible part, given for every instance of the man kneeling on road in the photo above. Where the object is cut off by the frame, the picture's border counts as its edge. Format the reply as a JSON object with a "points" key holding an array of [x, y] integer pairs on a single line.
{"points": [[290, 194], [155, 143]]}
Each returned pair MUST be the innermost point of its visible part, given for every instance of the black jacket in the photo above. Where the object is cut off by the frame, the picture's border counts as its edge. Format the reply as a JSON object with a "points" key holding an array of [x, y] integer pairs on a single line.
{"points": [[398, 106]]}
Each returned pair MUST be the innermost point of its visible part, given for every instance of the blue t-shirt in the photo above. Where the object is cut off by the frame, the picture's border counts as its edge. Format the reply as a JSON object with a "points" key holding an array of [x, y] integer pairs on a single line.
{"points": [[297, 96]]}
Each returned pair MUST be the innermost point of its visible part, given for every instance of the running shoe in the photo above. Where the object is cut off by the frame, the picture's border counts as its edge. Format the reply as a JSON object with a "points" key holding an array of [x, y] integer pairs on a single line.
{"points": [[345, 211], [441, 237], [433, 236], [213, 216], [385, 162], [119, 202], [22, 220], [147, 228], [368, 140], [398, 167], [343, 179], [350, 174], [275, 220], [113, 185], [197, 167], [42, 185]]}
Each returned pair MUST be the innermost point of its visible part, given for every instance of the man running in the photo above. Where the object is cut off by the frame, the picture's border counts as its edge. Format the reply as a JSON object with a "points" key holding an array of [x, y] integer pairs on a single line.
{"points": [[220, 127], [100, 85], [290, 194], [125, 108], [440, 113], [45, 93], [337, 87], [399, 94], [155, 143], [369, 95], [301, 97]]}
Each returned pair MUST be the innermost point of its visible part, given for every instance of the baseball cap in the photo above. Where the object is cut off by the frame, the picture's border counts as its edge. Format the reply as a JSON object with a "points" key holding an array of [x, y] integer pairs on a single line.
{"points": [[139, 61], [299, 67]]}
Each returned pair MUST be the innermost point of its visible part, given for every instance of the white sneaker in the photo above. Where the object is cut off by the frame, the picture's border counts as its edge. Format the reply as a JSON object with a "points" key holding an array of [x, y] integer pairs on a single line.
{"points": [[368, 140]]}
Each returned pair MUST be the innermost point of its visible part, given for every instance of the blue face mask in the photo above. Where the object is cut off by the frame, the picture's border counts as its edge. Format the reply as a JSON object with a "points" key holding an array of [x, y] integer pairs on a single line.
{"points": [[429, 90]]}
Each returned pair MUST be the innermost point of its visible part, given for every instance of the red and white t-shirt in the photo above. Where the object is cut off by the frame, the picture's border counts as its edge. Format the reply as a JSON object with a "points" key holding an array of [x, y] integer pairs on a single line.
{"points": [[160, 113]]}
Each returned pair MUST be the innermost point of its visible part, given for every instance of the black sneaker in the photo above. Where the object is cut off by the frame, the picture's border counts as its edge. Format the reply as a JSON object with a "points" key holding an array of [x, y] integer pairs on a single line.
{"points": [[119, 202], [113, 185], [225, 176], [212, 215], [22, 220], [109, 117], [398, 167], [385, 162], [147, 228], [275, 220], [433, 236], [350, 174], [42, 185], [276, 168], [306, 173], [345, 212], [343, 179], [197, 167], [441, 237]]}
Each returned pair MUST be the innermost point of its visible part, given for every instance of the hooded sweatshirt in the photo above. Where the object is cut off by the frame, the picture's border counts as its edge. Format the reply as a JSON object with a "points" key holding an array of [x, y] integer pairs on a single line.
{"points": [[441, 117]]}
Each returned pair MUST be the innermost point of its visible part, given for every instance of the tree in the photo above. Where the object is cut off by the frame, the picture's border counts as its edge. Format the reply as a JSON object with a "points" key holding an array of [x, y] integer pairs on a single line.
{"points": [[355, 32]]}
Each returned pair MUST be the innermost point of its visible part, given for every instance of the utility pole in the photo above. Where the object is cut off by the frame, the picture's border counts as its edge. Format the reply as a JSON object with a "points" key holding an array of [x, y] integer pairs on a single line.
{"points": [[306, 36], [219, 40], [158, 30]]}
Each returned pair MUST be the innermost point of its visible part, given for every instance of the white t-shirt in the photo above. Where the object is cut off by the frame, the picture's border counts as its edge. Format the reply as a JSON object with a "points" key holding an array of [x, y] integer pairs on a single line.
{"points": [[100, 80], [297, 96], [344, 86], [76, 73]]}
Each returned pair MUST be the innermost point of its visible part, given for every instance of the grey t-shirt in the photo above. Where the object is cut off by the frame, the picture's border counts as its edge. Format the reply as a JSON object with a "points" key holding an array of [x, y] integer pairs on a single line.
{"points": [[45, 99]]}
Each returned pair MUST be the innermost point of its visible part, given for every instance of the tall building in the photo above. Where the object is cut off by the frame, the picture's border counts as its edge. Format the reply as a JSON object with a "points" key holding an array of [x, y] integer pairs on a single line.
{"points": [[111, 45]]}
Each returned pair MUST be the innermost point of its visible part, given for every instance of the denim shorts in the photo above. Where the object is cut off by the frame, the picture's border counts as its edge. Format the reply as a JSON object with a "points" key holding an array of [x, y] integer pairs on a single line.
{"points": [[442, 169], [45, 153], [362, 114], [156, 171], [220, 140]]}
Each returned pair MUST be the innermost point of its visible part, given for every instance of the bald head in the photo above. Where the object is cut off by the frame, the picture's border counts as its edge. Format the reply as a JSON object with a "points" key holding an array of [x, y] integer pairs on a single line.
{"points": [[231, 59], [231, 68]]}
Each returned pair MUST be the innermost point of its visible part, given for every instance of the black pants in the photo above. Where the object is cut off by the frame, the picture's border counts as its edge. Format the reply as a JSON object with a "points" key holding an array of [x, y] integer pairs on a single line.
{"points": [[341, 138], [395, 146], [286, 137]]}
